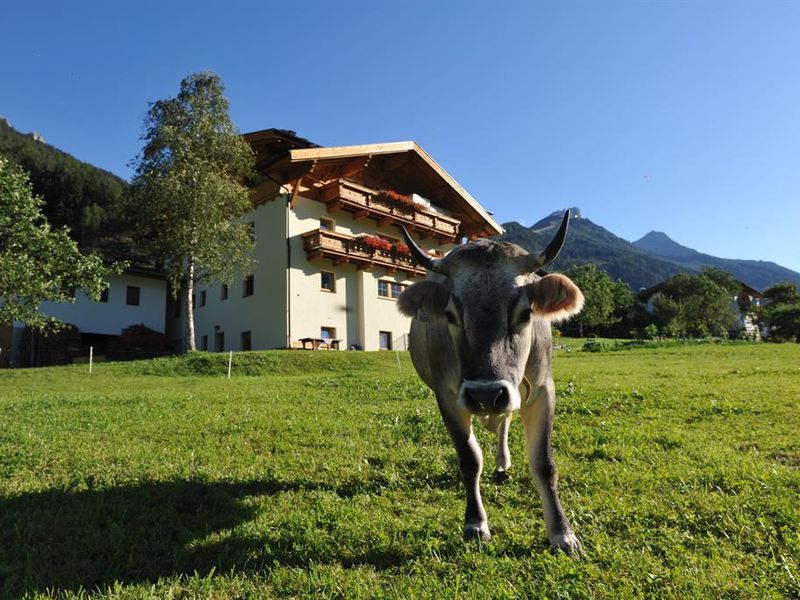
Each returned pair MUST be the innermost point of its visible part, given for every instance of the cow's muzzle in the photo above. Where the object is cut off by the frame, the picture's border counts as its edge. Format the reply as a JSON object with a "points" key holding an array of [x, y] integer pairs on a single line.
{"points": [[488, 396]]}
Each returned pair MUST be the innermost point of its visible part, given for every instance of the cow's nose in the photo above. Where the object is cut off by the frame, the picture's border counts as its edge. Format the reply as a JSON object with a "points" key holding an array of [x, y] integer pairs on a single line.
{"points": [[486, 397]]}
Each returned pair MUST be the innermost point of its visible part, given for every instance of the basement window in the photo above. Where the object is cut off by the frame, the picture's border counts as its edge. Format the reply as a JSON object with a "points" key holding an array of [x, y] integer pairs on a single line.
{"points": [[385, 340], [223, 292]]}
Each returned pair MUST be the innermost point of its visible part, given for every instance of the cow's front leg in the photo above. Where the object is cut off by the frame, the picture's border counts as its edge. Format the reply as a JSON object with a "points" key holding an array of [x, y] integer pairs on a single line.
{"points": [[537, 418], [470, 463]]}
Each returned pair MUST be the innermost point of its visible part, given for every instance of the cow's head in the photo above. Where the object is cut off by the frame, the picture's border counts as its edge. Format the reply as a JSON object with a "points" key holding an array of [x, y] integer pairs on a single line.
{"points": [[489, 297]]}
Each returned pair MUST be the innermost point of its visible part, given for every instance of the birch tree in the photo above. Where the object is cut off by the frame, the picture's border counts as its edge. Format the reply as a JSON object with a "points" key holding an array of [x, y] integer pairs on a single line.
{"points": [[188, 190]]}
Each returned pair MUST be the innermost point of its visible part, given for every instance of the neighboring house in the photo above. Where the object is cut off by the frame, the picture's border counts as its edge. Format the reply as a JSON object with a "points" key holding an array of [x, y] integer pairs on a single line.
{"points": [[330, 262], [746, 300], [136, 297]]}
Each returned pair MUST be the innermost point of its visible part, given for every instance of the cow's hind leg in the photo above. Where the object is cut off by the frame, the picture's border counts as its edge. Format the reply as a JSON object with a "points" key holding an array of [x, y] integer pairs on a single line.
{"points": [[537, 418], [470, 463]]}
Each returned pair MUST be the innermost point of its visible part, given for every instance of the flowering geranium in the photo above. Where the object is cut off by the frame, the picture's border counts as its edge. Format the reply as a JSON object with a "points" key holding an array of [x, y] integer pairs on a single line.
{"points": [[374, 242], [397, 198], [401, 248]]}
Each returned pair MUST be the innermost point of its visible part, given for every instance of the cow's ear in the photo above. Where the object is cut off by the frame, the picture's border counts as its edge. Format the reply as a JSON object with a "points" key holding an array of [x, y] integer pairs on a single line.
{"points": [[424, 298], [555, 297]]}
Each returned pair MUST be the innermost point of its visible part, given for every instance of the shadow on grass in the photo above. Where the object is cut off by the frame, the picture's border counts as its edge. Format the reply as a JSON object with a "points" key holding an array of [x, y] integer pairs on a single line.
{"points": [[66, 540]]}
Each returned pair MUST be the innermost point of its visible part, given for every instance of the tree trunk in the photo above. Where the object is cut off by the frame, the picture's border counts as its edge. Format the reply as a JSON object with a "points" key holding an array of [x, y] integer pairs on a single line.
{"points": [[188, 292]]}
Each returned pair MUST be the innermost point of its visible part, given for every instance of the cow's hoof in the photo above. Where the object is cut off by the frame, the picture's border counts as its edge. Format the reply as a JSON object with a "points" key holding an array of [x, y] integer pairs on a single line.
{"points": [[478, 533], [500, 476], [568, 543]]}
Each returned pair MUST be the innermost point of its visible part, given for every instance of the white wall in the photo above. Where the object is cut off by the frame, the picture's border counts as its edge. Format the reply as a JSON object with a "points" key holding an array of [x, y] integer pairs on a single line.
{"points": [[110, 318], [354, 309], [263, 313]]}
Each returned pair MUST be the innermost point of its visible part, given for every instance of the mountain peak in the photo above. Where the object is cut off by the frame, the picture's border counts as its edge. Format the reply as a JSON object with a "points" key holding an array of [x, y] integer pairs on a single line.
{"points": [[660, 244]]}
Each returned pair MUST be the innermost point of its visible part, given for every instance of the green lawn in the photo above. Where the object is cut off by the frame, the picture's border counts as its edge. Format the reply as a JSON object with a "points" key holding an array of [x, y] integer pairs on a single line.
{"points": [[323, 474]]}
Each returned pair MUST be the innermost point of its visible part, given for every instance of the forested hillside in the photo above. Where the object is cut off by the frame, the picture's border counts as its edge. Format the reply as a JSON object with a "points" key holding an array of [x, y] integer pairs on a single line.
{"points": [[588, 242], [90, 201], [639, 264]]}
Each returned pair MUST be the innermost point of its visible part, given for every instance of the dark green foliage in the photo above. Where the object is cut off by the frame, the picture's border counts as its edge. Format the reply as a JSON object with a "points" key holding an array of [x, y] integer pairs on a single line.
{"points": [[37, 262], [782, 312], [88, 200], [696, 305], [599, 292]]}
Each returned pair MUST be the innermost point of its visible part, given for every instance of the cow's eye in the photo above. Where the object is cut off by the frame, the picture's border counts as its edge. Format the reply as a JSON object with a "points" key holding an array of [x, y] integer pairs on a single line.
{"points": [[525, 315], [451, 318]]}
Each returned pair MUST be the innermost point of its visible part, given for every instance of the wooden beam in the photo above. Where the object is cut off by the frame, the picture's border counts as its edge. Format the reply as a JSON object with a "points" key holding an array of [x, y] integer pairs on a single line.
{"points": [[295, 192], [334, 206], [303, 154], [360, 214]]}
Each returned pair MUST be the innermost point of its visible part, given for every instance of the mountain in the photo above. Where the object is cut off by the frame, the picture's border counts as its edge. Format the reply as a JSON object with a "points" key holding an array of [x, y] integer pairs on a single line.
{"points": [[756, 273], [641, 264], [88, 200]]}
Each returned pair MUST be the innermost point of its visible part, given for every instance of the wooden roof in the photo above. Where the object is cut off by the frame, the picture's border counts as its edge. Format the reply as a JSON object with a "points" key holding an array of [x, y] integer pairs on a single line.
{"points": [[401, 166]]}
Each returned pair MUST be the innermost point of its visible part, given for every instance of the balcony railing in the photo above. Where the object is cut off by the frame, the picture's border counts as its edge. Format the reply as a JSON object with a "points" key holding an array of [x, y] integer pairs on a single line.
{"points": [[366, 202], [341, 248]]}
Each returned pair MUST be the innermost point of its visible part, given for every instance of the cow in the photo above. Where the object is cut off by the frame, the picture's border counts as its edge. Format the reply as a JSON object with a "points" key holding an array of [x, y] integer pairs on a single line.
{"points": [[480, 339]]}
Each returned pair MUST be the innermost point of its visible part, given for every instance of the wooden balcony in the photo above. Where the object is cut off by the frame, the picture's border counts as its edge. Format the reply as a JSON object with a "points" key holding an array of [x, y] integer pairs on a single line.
{"points": [[341, 248], [366, 202]]}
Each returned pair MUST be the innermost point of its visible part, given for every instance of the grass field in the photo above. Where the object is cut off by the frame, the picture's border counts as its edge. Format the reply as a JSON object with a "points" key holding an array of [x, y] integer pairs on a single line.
{"points": [[329, 475]]}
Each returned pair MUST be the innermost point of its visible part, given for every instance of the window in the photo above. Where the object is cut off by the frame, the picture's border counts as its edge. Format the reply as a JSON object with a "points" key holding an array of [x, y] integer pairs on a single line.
{"points": [[132, 295], [246, 340], [390, 289], [327, 281], [223, 292], [385, 340], [194, 301], [219, 341], [326, 224], [327, 333], [104, 295], [247, 286], [204, 343], [203, 298]]}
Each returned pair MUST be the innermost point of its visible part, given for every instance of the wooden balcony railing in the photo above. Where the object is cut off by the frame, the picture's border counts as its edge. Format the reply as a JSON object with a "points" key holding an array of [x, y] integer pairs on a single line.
{"points": [[341, 248], [366, 202]]}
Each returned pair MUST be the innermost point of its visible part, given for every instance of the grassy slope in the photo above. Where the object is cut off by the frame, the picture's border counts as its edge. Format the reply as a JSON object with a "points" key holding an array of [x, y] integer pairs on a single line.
{"points": [[332, 477]]}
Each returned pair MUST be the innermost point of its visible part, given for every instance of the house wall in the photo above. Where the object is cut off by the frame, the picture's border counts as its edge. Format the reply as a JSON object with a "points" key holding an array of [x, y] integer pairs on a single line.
{"points": [[354, 309], [288, 302], [110, 318], [264, 312]]}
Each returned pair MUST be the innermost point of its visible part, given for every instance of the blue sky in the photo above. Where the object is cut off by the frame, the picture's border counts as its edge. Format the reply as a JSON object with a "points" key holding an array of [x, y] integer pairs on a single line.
{"points": [[682, 117]]}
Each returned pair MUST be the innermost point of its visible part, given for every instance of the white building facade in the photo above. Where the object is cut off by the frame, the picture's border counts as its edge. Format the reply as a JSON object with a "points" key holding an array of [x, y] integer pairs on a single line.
{"points": [[330, 261]]}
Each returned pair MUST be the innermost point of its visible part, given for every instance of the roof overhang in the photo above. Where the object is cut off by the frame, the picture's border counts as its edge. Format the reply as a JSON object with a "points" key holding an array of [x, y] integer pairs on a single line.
{"points": [[404, 165]]}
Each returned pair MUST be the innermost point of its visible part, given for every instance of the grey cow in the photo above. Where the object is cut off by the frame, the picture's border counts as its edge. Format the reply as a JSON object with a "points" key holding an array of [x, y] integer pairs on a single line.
{"points": [[480, 339]]}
